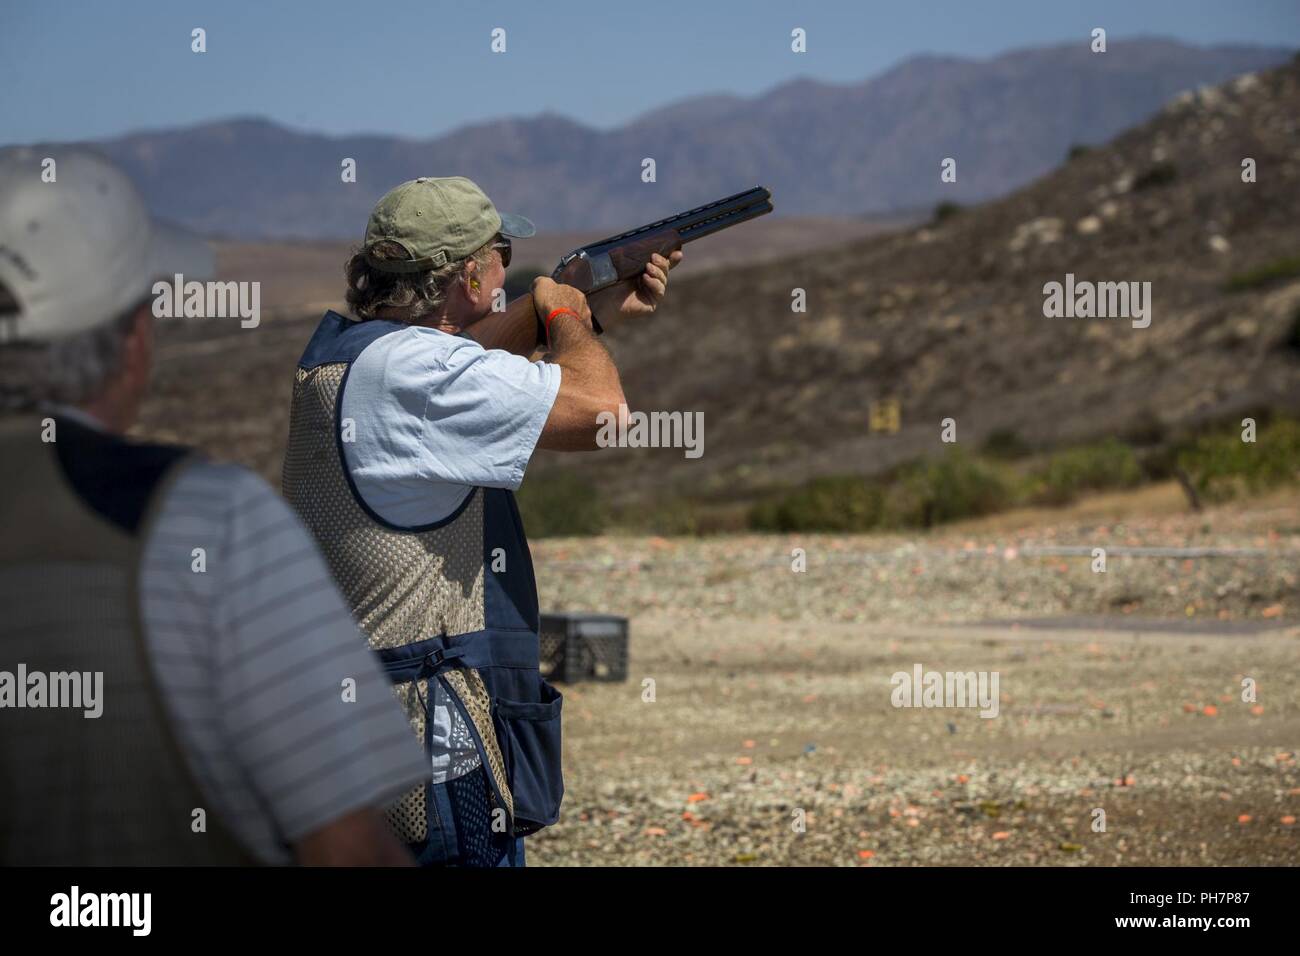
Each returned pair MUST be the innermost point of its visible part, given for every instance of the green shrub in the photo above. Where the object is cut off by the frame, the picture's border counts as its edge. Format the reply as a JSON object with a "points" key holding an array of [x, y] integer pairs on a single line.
{"points": [[956, 486], [1103, 466], [665, 516], [559, 504], [949, 488], [1221, 466], [917, 495], [1145, 430], [945, 211], [1160, 463], [1161, 174], [1005, 445], [1077, 150], [842, 503], [1292, 340], [1278, 269]]}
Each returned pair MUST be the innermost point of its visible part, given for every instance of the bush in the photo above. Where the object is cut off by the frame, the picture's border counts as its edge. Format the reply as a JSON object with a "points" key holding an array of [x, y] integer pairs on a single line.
{"points": [[917, 495], [665, 516], [560, 504], [1292, 340], [1145, 430], [1274, 271], [1222, 466], [1099, 467], [945, 211], [956, 486], [1077, 150], [1005, 445], [843, 503], [950, 488], [1161, 174]]}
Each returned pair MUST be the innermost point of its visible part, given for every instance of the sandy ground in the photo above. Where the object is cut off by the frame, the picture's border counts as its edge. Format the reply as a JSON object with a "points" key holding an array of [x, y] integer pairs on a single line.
{"points": [[766, 733]]}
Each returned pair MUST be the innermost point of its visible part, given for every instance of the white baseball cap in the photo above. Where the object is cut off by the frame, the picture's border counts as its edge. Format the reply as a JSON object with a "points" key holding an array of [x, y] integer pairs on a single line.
{"points": [[80, 250]]}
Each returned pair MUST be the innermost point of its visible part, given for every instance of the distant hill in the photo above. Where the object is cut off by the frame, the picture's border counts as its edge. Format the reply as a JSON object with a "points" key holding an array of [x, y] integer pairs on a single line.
{"points": [[875, 146]]}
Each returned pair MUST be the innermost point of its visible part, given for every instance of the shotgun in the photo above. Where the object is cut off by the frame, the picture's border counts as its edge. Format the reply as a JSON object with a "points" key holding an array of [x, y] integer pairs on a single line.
{"points": [[600, 265]]}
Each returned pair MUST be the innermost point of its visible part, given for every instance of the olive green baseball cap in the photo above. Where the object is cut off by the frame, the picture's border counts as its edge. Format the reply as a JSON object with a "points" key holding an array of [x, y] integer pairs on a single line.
{"points": [[437, 220]]}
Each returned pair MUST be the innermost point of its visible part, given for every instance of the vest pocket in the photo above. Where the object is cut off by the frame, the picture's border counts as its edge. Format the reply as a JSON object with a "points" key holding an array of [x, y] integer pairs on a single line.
{"points": [[529, 734]]}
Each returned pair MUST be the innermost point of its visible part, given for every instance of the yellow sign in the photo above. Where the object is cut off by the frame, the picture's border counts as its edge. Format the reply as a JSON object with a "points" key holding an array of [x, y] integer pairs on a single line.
{"points": [[885, 416]]}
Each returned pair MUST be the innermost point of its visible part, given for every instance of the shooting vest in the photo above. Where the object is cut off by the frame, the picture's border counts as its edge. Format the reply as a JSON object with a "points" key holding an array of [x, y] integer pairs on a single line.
{"points": [[453, 602], [78, 790]]}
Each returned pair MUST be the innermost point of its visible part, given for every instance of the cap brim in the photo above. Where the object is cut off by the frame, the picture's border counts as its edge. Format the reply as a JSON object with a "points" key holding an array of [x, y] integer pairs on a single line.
{"points": [[517, 227], [179, 251]]}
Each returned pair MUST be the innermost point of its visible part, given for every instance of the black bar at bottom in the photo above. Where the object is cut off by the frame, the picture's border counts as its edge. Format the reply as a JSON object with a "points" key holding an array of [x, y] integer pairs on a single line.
{"points": [[939, 907]]}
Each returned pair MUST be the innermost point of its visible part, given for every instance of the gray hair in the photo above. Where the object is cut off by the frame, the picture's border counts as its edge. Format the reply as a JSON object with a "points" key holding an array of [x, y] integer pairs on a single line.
{"points": [[67, 371], [420, 293]]}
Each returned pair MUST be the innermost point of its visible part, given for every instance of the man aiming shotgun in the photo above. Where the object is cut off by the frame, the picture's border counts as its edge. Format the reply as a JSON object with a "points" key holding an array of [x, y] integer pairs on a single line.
{"points": [[412, 424], [602, 269]]}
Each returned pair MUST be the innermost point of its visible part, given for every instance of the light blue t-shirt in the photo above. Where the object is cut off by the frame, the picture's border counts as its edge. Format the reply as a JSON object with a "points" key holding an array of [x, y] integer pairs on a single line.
{"points": [[435, 415]]}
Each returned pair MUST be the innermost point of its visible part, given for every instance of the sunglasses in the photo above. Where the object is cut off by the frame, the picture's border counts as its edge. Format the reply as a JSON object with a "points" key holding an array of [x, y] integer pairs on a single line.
{"points": [[503, 244]]}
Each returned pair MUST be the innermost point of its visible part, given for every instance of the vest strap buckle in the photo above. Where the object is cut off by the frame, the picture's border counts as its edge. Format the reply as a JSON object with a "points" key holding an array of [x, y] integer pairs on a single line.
{"points": [[439, 659]]}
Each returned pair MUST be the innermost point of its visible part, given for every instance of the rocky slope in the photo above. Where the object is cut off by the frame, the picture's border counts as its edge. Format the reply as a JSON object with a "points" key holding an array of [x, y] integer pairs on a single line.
{"points": [[949, 317]]}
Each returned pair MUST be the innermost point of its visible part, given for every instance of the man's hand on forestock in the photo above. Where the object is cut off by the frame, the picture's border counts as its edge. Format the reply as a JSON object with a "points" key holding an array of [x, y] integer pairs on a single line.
{"points": [[640, 296]]}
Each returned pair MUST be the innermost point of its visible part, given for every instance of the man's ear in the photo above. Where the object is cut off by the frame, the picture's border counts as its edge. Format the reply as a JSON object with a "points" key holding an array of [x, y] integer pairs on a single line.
{"points": [[470, 278], [137, 353]]}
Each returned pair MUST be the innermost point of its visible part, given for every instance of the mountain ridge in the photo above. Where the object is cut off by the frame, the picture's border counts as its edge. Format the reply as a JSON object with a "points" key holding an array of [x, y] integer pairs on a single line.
{"points": [[876, 144]]}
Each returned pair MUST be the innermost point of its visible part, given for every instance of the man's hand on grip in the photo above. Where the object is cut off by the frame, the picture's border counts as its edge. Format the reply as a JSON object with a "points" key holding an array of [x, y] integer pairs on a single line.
{"points": [[549, 295]]}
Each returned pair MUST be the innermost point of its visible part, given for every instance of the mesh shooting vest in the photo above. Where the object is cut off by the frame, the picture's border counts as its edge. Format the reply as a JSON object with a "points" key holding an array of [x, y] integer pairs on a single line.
{"points": [[429, 599], [78, 791]]}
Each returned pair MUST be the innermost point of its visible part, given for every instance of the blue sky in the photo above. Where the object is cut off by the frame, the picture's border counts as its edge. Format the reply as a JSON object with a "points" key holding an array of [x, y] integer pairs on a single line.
{"points": [[74, 70]]}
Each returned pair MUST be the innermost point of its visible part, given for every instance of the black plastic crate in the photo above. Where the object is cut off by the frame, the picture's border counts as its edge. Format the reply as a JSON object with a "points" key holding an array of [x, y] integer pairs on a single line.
{"points": [[578, 647]]}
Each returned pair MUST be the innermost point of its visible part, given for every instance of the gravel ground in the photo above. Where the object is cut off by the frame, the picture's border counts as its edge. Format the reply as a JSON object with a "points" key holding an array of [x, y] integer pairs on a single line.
{"points": [[771, 738]]}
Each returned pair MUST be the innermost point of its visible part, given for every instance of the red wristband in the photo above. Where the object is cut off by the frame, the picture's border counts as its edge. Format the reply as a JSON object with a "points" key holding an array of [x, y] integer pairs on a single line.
{"points": [[554, 313]]}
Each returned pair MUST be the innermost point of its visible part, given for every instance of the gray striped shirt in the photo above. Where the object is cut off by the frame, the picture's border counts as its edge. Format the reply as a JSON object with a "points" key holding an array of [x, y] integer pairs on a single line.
{"points": [[284, 715]]}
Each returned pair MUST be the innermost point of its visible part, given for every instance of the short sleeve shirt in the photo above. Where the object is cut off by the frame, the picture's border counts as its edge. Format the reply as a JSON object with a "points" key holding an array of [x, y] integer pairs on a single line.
{"points": [[285, 717], [437, 414]]}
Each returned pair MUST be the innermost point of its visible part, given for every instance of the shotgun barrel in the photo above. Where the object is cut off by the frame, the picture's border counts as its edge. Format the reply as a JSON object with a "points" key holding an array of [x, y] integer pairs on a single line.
{"points": [[602, 264], [700, 221]]}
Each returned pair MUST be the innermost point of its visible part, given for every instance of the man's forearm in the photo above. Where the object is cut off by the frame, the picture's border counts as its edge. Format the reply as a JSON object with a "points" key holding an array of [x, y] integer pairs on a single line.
{"points": [[589, 386], [360, 838]]}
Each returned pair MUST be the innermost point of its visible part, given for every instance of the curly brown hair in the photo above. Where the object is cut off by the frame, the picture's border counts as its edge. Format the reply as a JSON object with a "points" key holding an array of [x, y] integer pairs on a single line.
{"points": [[419, 293]]}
